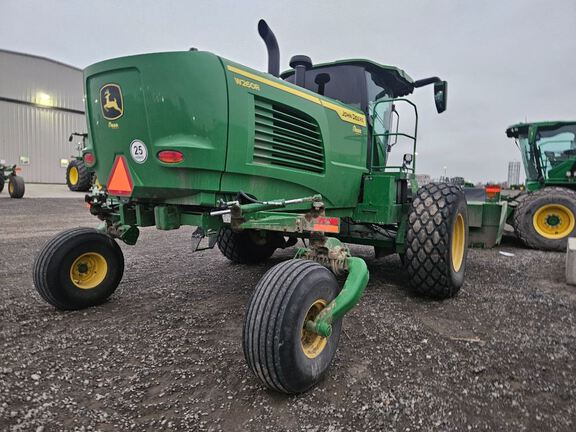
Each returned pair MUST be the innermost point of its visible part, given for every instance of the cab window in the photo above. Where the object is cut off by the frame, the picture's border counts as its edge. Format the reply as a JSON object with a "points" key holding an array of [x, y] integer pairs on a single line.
{"points": [[344, 83]]}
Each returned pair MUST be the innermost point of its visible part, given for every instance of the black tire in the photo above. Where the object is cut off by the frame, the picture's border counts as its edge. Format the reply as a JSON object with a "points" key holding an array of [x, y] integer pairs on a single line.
{"points": [[2, 181], [82, 180], [16, 186], [437, 240], [59, 259], [532, 229], [273, 337], [246, 247]]}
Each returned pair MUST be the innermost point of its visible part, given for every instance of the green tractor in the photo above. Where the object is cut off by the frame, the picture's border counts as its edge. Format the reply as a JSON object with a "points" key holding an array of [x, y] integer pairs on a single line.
{"points": [[9, 173], [257, 161], [544, 216], [78, 177]]}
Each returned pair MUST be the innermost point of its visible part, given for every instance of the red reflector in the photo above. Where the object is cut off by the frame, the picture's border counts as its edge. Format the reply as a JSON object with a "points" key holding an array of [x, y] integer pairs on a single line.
{"points": [[18, 169], [327, 224], [170, 156], [120, 181], [89, 158]]}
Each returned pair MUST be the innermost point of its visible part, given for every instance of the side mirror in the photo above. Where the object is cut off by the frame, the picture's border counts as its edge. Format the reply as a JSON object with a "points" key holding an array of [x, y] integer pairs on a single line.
{"points": [[441, 95], [70, 138]]}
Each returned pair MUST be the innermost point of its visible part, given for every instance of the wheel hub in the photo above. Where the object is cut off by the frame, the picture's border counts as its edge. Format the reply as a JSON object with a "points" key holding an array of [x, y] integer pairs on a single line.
{"points": [[458, 242], [73, 176], [554, 221], [88, 270], [312, 343]]}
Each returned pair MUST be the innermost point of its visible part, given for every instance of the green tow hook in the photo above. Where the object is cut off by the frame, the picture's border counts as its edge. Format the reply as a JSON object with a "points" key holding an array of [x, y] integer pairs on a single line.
{"points": [[353, 289]]}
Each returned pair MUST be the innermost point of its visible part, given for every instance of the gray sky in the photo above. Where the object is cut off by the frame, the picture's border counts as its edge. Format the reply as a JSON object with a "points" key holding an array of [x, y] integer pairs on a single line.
{"points": [[505, 61]]}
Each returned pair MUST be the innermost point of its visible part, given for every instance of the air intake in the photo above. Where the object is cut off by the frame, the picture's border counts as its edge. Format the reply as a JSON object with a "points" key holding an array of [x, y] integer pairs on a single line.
{"points": [[287, 137]]}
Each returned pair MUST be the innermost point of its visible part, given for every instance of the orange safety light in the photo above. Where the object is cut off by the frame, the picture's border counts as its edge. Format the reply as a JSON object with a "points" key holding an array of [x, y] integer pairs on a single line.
{"points": [[120, 181], [492, 192], [327, 224]]}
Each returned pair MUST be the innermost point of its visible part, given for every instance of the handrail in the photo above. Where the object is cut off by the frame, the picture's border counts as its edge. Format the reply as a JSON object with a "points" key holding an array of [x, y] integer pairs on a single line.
{"points": [[377, 144]]}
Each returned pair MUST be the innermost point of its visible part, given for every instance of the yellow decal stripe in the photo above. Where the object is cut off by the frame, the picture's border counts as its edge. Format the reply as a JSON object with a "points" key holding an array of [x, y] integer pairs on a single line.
{"points": [[344, 114]]}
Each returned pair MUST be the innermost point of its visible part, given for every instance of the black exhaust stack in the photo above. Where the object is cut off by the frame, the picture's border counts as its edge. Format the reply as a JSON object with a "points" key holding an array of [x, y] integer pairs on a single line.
{"points": [[272, 46]]}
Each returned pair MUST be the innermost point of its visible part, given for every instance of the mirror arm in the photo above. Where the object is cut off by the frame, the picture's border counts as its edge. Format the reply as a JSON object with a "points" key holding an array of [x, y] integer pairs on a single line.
{"points": [[425, 81]]}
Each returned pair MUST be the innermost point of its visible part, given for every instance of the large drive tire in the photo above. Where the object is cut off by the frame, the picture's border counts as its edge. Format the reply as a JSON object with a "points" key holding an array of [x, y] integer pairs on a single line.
{"points": [[78, 268], [545, 219], [246, 247], [78, 178], [280, 352], [16, 186], [2, 181], [437, 240]]}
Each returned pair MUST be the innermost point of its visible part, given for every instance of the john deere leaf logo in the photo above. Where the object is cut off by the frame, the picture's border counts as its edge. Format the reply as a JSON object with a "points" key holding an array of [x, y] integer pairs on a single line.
{"points": [[111, 101]]}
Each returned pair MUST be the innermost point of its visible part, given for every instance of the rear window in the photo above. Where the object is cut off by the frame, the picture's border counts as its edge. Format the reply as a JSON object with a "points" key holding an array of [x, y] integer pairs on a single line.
{"points": [[344, 83]]}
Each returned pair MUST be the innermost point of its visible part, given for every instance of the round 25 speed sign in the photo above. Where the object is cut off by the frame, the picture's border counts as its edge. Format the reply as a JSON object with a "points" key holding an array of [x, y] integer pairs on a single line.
{"points": [[138, 151]]}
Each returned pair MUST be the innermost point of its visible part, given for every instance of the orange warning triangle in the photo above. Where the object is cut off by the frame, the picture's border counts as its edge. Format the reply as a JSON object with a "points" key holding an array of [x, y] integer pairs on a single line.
{"points": [[120, 182]]}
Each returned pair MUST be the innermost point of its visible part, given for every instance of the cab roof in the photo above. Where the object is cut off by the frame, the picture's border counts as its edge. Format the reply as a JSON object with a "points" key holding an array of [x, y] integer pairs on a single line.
{"points": [[519, 129], [400, 82]]}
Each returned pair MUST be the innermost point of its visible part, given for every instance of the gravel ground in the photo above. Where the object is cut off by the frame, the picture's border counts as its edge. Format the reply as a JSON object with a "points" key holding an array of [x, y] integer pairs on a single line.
{"points": [[165, 353]]}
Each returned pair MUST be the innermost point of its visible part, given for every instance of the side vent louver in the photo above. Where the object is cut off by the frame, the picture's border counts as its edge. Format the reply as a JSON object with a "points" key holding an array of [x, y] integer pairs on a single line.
{"points": [[287, 137]]}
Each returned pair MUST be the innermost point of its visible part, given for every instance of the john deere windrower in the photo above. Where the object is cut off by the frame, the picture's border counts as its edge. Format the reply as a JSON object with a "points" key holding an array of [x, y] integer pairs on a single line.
{"points": [[257, 161], [544, 216]]}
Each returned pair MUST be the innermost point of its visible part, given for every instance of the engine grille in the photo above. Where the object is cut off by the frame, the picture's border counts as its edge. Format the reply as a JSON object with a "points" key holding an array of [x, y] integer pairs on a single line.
{"points": [[286, 137]]}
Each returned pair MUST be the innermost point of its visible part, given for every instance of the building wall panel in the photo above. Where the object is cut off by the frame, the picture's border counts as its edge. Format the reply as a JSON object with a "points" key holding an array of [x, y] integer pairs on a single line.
{"points": [[41, 135], [41, 103]]}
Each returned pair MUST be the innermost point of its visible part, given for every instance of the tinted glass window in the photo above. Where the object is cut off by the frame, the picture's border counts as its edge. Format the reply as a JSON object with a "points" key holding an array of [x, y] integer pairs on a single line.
{"points": [[343, 83], [376, 88]]}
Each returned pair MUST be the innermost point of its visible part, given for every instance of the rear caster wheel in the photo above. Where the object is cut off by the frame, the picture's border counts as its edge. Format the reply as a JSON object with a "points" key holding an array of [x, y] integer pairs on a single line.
{"points": [[78, 268], [278, 349]]}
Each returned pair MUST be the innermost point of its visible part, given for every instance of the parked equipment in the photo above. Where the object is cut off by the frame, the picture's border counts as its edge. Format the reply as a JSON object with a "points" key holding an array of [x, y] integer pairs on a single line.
{"points": [[78, 177], [9, 173], [257, 161], [544, 215]]}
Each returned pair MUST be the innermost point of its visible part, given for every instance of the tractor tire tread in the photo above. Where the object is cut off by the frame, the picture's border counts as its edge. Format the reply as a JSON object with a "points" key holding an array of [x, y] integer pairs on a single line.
{"points": [[427, 241], [42, 261], [84, 176], [239, 248], [266, 308], [18, 186]]}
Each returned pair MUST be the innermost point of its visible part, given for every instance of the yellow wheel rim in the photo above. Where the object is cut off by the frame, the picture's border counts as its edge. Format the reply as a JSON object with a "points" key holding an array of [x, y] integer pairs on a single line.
{"points": [[553, 221], [73, 175], [88, 270], [458, 243], [10, 188], [313, 344]]}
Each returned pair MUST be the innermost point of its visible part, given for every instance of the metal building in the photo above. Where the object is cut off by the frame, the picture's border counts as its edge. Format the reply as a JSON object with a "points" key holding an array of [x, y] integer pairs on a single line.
{"points": [[513, 173], [41, 103]]}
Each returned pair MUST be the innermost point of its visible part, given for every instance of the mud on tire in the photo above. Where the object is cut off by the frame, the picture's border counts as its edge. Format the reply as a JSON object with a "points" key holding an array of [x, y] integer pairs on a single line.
{"points": [[437, 240]]}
